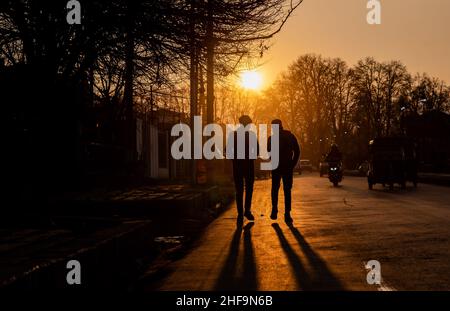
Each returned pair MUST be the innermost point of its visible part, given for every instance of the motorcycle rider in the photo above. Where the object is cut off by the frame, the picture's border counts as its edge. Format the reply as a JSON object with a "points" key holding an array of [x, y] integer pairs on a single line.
{"points": [[334, 156], [334, 159]]}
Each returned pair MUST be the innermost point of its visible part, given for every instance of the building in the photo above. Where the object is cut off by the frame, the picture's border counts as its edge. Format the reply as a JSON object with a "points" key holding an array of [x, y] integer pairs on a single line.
{"points": [[431, 131], [153, 145]]}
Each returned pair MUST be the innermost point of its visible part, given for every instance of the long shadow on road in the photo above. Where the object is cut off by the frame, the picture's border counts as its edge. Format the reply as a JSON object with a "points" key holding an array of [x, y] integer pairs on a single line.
{"points": [[320, 278], [302, 277], [230, 277]]}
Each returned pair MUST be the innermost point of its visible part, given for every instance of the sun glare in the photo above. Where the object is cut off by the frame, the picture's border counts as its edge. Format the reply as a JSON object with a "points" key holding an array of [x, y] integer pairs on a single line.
{"points": [[251, 80]]}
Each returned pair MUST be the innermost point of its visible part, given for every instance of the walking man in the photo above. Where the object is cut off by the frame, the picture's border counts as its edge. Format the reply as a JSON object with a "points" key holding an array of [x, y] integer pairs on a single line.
{"points": [[243, 166], [289, 153]]}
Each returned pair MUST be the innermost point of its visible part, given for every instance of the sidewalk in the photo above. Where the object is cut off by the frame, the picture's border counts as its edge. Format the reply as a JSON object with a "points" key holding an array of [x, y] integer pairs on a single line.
{"points": [[144, 201], [427, 178], [433, 178], [36, 258], [112, 233]]}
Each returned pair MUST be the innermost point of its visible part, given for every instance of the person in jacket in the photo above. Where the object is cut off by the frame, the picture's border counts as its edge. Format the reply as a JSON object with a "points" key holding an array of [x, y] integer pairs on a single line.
{"points": [[289, 154]]}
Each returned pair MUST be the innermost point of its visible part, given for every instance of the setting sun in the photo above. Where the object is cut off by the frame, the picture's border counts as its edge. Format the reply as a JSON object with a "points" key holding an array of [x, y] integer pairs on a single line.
{"points": [[251, 80]]}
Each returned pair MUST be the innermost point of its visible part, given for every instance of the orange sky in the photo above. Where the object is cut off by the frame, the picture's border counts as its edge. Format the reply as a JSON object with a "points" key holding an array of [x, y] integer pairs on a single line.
{"points": [[416, 32]]}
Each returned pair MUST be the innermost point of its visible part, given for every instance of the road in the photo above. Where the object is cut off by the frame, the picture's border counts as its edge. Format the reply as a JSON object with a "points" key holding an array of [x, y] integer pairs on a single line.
{"points": [[335, 232]]}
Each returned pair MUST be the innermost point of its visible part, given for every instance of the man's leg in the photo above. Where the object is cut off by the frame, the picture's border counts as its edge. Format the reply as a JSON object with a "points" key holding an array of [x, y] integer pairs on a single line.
{"points": [[239, 187], [276, 179], [287, 187], [249, 181]]}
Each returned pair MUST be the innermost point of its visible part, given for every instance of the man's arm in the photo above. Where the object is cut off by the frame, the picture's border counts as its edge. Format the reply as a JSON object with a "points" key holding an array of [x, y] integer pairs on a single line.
{"points": [[253, 150], [296, 149], [257, 148], [230, 145]]}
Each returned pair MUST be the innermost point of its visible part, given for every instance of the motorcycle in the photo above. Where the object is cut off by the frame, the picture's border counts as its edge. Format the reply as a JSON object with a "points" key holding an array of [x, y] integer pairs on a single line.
{"points": [[335, 173]]}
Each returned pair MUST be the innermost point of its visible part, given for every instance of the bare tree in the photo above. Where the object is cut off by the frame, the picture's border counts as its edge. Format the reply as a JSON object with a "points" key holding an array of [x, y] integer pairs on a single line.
{"points": [[429, 93]]}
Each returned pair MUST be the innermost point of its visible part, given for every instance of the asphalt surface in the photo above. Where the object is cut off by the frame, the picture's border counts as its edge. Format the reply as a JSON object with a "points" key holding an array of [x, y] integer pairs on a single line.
{"points": [[335, 232]]}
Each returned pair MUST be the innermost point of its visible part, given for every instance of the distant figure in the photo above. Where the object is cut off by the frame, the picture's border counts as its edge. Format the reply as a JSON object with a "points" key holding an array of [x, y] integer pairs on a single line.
{"points": [[334, 156], [244, 170], [289, 153]]}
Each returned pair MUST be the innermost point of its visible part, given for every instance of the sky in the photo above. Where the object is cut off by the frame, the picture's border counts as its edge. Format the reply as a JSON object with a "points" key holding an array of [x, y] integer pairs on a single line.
{"points": [[416, 32]]}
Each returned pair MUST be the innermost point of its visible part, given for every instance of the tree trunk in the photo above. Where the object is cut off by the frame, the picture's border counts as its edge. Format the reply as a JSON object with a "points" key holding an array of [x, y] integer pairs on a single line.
{"points": [[128, 89], [193, 74], [210, 77]]}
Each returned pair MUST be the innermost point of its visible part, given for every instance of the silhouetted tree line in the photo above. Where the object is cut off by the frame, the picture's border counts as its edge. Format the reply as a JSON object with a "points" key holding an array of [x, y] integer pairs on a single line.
{"points": [[323, 100], [64, 87]]}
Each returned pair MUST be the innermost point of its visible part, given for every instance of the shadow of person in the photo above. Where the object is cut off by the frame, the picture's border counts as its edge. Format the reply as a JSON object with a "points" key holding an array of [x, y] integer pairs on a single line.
{"points": [[303, 280], [236, 276], [322, 277], [249, 279]]}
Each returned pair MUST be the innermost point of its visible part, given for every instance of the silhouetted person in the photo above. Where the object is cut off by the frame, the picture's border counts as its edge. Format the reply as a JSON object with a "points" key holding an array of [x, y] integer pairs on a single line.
{"points": [[334, 156], [244, 169], [289, 153]]}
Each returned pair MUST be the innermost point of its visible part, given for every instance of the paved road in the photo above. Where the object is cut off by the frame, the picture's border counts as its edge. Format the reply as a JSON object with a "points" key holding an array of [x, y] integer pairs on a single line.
{"points": [[335, 231]]}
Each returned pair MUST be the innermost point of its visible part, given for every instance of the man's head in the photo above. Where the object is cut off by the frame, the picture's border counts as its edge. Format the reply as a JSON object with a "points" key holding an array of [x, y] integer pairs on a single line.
{"points": [[278, 121], [245, 120]]}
